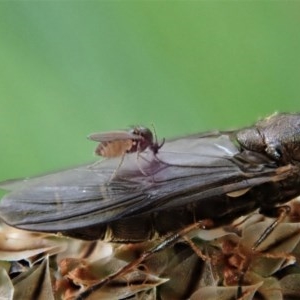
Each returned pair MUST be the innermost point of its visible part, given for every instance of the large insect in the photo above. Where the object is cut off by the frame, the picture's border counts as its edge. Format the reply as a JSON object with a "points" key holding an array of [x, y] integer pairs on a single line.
{"points": [[208, 179], [218, 176]]}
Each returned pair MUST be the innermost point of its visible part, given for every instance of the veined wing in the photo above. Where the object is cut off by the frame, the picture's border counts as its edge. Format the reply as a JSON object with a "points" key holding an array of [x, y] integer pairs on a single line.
{"points": [[184, 171], [113, 136]]}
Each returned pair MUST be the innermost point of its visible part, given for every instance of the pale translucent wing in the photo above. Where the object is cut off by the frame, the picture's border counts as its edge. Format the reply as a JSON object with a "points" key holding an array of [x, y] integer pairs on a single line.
{"points": [[113, 136]]}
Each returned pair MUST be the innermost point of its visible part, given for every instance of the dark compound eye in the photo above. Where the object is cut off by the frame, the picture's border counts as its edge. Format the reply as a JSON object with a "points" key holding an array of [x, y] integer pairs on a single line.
{"points": [[278, 152], [275, 151]]}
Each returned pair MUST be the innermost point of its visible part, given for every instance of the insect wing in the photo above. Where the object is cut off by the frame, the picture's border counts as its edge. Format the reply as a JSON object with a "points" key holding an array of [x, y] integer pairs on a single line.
{"points": [[65, 200], [113, 136], [185, 171]]}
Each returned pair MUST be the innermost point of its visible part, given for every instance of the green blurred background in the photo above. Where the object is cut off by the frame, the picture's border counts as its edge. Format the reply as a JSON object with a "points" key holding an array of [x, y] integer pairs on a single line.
{"points": [[71, 68]]}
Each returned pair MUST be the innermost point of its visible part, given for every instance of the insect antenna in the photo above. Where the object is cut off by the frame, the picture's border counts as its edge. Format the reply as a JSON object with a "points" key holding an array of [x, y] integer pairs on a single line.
{"points": [[155, 146]]}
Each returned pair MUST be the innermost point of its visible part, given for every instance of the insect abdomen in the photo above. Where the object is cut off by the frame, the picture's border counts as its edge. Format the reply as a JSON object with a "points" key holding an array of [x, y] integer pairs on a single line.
{"points": [[113, 149]]}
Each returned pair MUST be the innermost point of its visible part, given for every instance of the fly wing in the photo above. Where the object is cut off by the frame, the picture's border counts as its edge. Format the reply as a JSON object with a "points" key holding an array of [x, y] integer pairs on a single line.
{"points": [[113, 136], [183, 171]]}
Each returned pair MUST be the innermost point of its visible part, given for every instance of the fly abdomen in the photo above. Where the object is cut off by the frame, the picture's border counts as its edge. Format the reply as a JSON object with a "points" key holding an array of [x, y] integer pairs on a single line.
{"points": [[114, 148]]}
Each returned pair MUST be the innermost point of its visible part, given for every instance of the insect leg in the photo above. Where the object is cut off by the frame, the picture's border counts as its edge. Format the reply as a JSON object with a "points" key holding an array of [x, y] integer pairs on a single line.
{"points": [[282, 211], [203, 224], [137, 161], [89, 249], [195, 248], [95, 164], [117, 168]]}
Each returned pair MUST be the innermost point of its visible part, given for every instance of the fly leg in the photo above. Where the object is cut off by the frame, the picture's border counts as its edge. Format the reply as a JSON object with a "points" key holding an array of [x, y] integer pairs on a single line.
{"points": [[138, 164], [169, 241], [113, 175], [140, 156], [95, 164]]}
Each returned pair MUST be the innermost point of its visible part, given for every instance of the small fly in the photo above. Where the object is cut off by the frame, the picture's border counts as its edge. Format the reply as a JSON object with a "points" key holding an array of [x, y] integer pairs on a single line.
{"points": [[119, 143]]}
